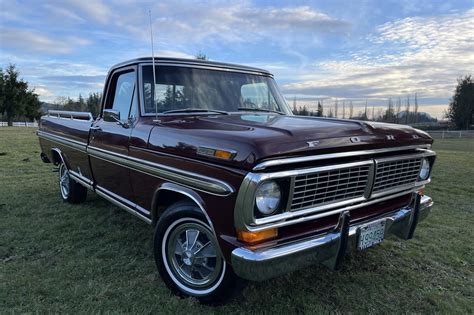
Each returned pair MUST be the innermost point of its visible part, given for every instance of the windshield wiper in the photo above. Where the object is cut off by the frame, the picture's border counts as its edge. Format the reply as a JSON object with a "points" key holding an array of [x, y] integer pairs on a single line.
{"points": [[194, 110], [260, 110]]}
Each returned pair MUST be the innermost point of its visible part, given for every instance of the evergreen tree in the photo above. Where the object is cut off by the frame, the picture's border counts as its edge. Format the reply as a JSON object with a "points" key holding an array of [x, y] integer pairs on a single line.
{"points": [[93, 103], [16, 98], [319, 112], [461, 107]]}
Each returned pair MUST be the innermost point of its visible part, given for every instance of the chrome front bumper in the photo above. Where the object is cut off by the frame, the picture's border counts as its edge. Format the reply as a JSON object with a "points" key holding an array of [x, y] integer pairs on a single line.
{"points": [[328, 249]]}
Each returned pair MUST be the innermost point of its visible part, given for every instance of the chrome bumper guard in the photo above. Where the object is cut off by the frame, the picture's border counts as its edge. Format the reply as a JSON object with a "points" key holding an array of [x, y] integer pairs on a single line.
{"points": [[328, 249]]}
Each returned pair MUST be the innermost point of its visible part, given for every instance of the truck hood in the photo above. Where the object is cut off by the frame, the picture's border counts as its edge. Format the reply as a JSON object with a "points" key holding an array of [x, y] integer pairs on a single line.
{"points": [[258, 137]]}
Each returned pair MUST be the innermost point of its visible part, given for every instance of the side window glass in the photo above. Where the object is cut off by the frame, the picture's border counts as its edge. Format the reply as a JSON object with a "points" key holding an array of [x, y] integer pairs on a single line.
{"points": [[124, 92]]}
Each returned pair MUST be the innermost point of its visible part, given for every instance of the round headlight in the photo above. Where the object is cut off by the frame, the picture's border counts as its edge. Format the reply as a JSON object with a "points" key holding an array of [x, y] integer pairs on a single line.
{"points": [[268, 197], [425, 169]]}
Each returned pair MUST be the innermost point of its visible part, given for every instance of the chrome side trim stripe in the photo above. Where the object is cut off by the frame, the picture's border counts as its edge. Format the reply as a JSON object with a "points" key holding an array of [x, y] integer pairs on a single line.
{"points": [[84, 181], [73, 144], [189, 179], [193, 180], [320, 157], [120, 202]]}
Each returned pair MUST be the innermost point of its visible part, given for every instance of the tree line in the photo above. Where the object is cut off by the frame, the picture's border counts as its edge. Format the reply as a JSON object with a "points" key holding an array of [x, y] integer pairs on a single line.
{"points": [[90, 104], [394, 112], [401, 111]]}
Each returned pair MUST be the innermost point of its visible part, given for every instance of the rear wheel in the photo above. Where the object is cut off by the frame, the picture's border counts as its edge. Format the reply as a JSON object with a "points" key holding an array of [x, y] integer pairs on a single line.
{"points": [[70, 191], [188, 258]]}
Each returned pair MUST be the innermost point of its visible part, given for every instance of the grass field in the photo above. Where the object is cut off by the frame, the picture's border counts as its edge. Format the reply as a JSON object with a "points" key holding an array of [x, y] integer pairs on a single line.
{"points": [[94, 257]]}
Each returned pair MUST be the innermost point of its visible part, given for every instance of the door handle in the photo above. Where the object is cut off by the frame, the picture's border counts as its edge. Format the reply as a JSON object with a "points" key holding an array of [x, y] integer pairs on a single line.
{"points": [[97, 128]]}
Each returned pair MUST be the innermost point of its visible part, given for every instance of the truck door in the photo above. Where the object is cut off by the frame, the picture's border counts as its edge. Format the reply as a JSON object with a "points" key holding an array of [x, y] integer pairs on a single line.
{"points": [[110, 135]]}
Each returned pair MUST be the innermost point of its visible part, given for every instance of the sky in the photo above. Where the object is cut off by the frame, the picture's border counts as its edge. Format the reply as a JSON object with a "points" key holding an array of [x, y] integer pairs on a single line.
{"points": [[351, 51]]}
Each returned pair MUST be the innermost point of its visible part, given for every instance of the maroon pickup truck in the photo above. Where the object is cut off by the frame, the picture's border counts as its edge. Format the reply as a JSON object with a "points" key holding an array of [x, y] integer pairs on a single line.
{"points": [[237, 187]]}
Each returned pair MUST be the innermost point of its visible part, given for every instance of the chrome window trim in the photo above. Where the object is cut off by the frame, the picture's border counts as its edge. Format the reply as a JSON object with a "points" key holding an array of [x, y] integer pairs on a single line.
{"points": [[73, 144], [109, 79], [192, 180], [312, 158]]}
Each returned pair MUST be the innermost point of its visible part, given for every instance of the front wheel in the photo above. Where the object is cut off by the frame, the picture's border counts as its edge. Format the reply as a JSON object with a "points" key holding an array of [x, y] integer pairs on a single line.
{"points": [[70, 191], [188, 258]]}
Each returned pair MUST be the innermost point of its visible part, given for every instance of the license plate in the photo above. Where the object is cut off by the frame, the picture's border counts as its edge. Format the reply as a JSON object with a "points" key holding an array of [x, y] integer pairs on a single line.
{"points": [[371, 234]]}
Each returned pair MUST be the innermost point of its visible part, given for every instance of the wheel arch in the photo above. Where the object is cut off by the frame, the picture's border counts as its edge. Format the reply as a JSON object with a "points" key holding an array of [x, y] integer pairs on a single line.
{"points": [[169, 193], [58, 157]]}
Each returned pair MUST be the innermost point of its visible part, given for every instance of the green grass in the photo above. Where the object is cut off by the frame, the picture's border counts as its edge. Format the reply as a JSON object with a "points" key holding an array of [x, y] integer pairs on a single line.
{"points": [[94, 257]]}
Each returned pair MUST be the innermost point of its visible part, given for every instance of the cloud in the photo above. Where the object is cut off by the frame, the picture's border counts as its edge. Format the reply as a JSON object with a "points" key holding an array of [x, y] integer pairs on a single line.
{"points": [[64, 13], [32, 41], [174, 54], [43, 92], [95, 10], [417, 54], [301, 18], [231, 22]]}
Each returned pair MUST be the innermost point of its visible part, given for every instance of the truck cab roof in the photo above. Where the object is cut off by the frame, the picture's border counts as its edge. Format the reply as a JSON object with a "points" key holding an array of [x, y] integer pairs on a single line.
{"points": [[192, 62]]}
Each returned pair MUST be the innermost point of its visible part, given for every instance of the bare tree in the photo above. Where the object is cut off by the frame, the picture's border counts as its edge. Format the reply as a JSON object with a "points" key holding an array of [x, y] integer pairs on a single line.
{"points": [[295, 109], [351, 110], [330, 114], [344, 109], [416, 108], [373, 112], [365, 112], [398, 109], [379, 114], [407, 110], [389, 113], [335, 108]]}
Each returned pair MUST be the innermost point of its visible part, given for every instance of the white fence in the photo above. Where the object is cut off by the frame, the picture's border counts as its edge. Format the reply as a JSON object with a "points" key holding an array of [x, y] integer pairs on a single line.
{"points": [[19, 124], [451, 134]]}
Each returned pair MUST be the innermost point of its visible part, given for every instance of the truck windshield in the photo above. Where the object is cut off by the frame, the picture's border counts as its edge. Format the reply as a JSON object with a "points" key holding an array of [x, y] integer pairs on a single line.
{"points": [[180, 88]]}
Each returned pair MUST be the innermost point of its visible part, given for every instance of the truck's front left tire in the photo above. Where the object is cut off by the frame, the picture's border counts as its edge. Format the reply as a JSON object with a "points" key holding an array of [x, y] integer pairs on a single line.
{"points": [[69, 190], [188, 257]]}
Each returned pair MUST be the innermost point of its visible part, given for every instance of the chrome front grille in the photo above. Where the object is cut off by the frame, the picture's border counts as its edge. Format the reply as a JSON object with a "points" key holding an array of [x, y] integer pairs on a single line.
{"points": [[329, 186], [393, 174]]}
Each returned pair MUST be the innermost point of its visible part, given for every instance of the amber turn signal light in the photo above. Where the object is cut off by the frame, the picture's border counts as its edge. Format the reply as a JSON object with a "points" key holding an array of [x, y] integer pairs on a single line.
{"points": [[256, 237], [226, 155]]}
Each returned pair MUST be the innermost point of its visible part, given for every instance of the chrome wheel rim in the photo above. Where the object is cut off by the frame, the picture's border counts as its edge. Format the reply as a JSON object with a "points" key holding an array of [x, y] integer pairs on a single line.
{"points": [[64, 181], [192, 256]]}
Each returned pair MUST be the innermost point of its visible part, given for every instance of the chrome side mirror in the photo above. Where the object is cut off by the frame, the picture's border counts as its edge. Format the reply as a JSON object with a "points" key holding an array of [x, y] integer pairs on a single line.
{"points": [[111, 115]]}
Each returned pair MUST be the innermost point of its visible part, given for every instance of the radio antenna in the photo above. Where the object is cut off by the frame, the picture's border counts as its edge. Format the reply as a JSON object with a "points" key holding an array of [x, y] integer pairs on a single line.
{"points": [[153, 63]]}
